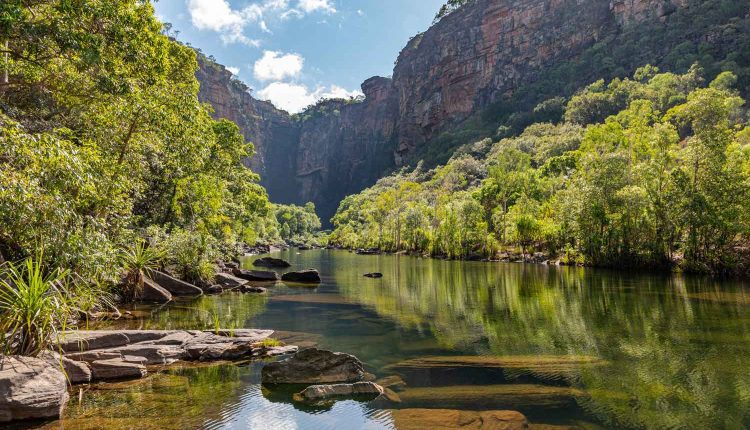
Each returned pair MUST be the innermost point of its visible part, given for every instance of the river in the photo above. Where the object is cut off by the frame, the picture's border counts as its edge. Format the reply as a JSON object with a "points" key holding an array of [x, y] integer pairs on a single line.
{"points": [[579, 348]]}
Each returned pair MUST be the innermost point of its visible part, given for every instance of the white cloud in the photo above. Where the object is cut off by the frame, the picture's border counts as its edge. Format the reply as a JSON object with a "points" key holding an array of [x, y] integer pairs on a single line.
{"points": [[218, 16], [294, 98], [275, 66], [314, 5], [233, 70]]}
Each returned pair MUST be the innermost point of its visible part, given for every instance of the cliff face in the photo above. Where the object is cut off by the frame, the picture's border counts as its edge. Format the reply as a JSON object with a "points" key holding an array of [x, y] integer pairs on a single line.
{"points": [[473, 58], [271, 130]]}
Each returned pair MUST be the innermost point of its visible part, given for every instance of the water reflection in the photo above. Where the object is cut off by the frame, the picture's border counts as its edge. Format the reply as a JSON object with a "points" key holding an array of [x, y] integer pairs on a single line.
{"points": [[564, 345]]}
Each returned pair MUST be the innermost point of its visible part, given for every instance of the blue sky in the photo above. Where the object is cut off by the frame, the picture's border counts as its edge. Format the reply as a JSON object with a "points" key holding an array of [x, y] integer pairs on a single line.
{"points": [[294, 52]]}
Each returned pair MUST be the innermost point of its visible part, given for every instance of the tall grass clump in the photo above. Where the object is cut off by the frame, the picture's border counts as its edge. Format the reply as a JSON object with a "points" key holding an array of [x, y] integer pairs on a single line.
{"points": [[34, 306], [137, 261]]}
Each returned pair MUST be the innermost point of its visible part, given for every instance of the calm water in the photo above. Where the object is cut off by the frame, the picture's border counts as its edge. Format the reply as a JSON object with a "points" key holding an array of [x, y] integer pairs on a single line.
{"points": [[591, 349]]}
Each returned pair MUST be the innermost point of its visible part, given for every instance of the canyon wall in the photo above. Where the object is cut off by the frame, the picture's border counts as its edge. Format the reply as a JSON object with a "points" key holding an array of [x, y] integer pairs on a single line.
{"points": [[471, 59]]}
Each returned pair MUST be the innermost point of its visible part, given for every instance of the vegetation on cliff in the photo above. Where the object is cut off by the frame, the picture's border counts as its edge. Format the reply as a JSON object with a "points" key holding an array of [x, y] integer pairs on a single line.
{"points": [[648, 172]]}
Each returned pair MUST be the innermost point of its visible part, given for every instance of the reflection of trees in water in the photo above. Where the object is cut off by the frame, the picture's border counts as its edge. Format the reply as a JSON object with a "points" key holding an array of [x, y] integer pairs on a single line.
{"points": [[187, 398], [227, 311], [676, 361]]}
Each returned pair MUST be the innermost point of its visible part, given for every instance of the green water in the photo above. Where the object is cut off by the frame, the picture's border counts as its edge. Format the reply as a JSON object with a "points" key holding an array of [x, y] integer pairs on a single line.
{"points": [[649, 351]]}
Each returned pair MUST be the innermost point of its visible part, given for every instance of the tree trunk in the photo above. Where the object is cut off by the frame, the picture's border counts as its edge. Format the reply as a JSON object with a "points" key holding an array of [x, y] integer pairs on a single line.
{"points": [[7, 64]]}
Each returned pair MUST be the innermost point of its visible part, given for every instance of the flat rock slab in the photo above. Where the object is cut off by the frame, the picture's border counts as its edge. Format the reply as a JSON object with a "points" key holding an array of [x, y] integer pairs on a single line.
{"points": [[449, 419], [314, 366], [256, 275], [271, 262], [175, 286], [31, 388], [316, 393], [116, 368], [118, 354], [309, 276], [78, 372]]}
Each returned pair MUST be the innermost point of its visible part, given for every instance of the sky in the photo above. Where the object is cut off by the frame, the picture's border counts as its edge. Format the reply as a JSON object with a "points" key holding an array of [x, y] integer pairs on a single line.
{"points": [[295, 52]]}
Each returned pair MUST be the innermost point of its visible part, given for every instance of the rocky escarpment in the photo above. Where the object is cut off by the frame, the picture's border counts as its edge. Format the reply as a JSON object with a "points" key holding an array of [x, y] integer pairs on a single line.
{"points": [[463, 73]]}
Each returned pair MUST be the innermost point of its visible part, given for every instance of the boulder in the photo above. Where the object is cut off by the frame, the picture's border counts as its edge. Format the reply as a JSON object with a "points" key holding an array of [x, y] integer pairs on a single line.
{"points": [[232, 265], [116, 368], [253, 290], [77, 372], [309, 276], [271, 262], [373, 275], [256, 275], [449, 419], [214, 289], [153, 292], [175, 286], [229, 281], [31, 388], [314, 366], [316, 393]]}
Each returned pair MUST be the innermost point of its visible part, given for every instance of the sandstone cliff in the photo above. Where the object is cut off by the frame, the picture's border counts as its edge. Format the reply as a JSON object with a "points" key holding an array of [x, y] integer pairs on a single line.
{"points": [[472, 62]]}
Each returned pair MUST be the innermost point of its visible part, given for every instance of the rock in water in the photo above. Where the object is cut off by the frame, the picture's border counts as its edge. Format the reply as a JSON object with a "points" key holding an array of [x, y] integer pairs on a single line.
{"points": [[314, 366], [116, 368], [271, 262], [229, 281], [316, 393], [175, 286], [76, 371], [153, 292], [31, 388], [256, 275], [253, 290], [309, 276], [373, 275]]}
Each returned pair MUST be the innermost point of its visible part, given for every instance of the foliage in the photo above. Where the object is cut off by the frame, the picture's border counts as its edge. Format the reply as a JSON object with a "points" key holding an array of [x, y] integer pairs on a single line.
{"points": [[33, 306], [450, 7], [102, 135], [297, 224], [662, 178], [137, 261]]}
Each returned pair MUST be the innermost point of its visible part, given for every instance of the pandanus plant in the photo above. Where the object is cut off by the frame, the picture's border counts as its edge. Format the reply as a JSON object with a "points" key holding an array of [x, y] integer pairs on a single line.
{"points": [[138, 261], [34, 306]]}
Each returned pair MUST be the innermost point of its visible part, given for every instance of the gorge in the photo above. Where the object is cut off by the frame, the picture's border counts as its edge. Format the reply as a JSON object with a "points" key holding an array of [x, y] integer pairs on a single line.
{"points": [[487, 64]]}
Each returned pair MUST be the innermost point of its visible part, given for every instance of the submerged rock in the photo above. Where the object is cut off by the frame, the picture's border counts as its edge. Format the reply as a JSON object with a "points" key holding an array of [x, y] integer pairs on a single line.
{"points": [[325, 392], [153, 292], [253, 290], [31, 388], [175, 286], [373, 275], [449, 419], [309, 276], [271, 262], [256, 275], [314, 366], [539, 368], [522, 396]]}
